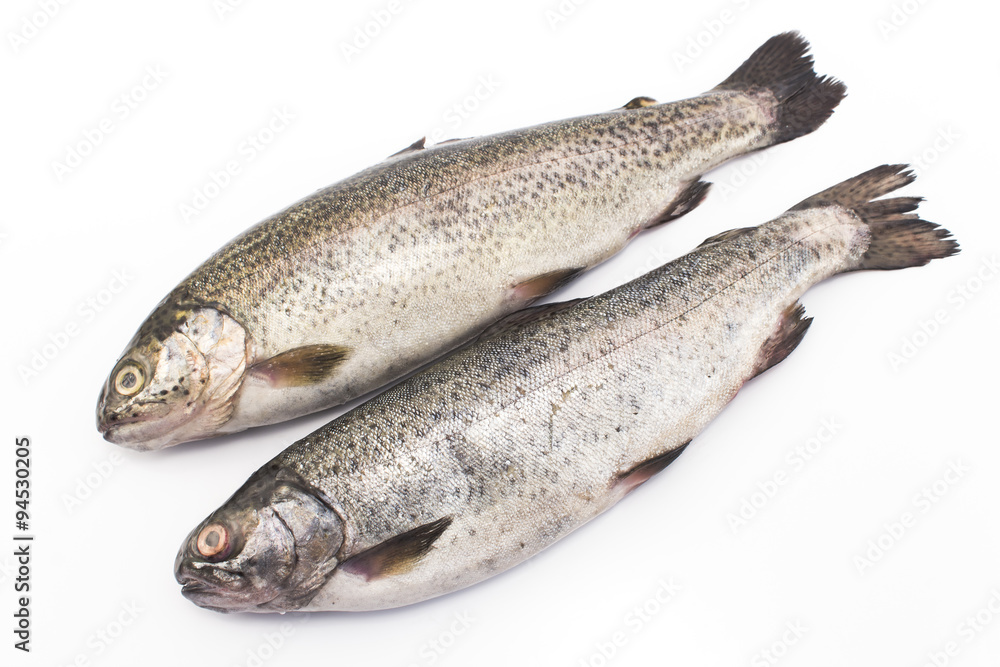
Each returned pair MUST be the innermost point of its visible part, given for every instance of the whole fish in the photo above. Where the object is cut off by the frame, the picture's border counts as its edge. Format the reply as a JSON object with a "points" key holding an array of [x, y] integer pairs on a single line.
{"points": [[488, 457], [365, 281]]}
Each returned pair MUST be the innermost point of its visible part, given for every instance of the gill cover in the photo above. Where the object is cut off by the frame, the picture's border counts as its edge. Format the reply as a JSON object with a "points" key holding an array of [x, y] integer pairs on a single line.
{"points": [[176, 380], [270, 547]]}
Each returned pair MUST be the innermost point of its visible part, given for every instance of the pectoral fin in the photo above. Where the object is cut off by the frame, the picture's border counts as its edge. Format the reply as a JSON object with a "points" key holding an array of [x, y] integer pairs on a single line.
{"points": [[539, 286], [301, 366], [786, 337], [629, 480], [398, 554]]}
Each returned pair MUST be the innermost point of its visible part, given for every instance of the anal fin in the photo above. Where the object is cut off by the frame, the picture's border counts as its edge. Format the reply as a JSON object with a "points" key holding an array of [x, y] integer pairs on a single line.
{"points": [[792, 326], [685, 202], [539, 286], [300, 366], [632, 478], [397, 555]]}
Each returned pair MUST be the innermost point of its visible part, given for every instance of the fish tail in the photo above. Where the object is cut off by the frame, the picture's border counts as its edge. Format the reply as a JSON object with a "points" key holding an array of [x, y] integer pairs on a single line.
{"points": [[783, 66], [899, 238]]}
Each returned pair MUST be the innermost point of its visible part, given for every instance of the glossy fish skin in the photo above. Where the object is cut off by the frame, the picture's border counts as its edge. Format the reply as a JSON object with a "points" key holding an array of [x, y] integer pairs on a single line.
{"points": [[495, 453], [362, 282]]}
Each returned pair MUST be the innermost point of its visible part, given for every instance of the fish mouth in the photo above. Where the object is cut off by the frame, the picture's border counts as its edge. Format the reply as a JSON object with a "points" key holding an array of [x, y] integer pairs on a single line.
{"points": [[107, 427], [143, 432], [204, 595], [216, 598], [124, 433]]}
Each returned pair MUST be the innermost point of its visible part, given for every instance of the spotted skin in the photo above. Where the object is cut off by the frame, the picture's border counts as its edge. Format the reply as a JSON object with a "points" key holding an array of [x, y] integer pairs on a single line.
{"points": [[528, 434], [412, 257]]}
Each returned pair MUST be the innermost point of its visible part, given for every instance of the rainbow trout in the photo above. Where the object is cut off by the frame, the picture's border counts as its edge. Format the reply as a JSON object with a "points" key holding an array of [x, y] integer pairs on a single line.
{"points": [[365, 281], [484, 459]]}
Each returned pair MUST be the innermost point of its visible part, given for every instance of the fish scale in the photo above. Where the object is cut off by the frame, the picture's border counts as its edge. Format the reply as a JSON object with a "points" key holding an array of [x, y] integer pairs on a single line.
{"points": [[493, 454], [399, 264]]}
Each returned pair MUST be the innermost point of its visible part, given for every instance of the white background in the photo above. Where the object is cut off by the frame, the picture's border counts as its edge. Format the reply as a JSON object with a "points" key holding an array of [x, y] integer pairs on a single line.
{"points": [[922, 89]]}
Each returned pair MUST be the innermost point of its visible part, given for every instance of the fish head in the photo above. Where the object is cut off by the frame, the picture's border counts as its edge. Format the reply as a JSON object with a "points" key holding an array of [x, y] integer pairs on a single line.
{"points": [[177, 380], [269, 548]]}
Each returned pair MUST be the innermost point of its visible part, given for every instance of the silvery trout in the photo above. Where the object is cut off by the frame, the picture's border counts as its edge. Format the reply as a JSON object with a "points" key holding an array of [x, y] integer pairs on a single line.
{"points": [[484, 459], [367, 280]]}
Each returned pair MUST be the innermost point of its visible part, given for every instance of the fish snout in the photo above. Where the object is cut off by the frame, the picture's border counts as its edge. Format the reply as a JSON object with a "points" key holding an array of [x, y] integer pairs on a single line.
{"points": [[208, 586]]}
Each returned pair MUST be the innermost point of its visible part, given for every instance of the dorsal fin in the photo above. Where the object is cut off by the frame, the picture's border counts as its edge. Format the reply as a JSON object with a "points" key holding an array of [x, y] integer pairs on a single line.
{"points": [[524, 316], [725, 236], [417, 145], [640, 102], [397, 555]]}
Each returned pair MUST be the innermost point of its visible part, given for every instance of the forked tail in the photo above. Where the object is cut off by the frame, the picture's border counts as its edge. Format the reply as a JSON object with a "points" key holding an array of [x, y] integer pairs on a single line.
{"points": [[899, 238], [783, 66]]}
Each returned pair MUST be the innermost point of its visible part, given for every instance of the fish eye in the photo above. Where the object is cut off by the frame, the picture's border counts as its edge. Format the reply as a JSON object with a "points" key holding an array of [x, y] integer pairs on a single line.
{"points": [[129, 379], [214, 542]]}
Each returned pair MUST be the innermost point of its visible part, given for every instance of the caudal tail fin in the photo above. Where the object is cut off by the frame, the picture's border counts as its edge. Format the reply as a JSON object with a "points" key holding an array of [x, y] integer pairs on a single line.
{"points": [[899, 238], [783, 66]]}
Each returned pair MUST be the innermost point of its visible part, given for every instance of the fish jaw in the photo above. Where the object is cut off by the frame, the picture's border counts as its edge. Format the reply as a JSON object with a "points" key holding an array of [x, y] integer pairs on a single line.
{"points": [[145, 435], [282, 540], [188, 366]]}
